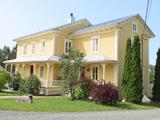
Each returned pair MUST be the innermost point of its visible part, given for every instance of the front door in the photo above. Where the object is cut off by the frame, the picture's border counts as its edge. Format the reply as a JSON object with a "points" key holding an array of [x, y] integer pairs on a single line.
{"points": [[31, 70]]}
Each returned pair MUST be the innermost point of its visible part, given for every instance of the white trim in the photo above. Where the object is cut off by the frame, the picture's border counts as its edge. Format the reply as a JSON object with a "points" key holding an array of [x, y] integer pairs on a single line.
{"points": [[116, 43], [92, 43], [116, 74], [65, 41]]}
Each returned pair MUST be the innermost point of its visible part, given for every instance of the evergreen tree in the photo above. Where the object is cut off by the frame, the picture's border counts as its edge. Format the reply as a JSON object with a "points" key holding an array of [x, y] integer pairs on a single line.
{"points": [[127, 69], [135, 88], [156, 87]]}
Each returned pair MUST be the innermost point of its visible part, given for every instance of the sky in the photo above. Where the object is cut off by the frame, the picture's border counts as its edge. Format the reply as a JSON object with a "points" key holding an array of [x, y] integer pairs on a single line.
{"points": [[23, 17]]}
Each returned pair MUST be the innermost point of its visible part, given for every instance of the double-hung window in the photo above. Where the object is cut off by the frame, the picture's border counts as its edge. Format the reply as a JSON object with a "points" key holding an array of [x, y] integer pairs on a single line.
{"points": [[25, 49], [95, 44], [33, 48], [134, 27], [95, 73], [43, 45], [67, 45], [41, 72]]}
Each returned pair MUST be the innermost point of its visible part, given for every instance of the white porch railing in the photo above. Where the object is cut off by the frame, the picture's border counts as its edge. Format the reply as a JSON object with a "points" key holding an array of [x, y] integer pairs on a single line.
{"points": [[56, 82], [43, 83]]}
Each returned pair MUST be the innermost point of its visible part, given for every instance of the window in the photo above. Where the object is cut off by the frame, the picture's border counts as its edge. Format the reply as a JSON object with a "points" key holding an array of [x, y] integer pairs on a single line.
{"points": [[42, 46], [95, 44], [41, 74], [67, 46], [134, 27], [95, 73], [25, 49], [33, 48]]}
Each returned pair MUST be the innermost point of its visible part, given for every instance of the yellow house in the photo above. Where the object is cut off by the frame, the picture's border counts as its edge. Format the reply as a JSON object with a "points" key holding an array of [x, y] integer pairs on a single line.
{"points": [[103, 44]]}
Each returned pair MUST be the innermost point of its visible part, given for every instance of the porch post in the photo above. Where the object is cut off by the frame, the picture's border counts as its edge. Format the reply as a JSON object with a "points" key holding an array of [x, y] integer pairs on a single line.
{"points": [[34, 69], [6, 67], [48, 67], [23, 75], [104, 71], [17, 66], [11, 68]]}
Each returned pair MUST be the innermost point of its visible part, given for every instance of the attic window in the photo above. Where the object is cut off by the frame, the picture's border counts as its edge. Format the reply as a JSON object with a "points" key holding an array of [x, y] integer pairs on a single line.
{"points": [[134, 27]]}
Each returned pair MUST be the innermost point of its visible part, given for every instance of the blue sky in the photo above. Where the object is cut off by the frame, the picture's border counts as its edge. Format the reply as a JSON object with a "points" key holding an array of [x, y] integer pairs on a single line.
{"points": [[22, 17]]}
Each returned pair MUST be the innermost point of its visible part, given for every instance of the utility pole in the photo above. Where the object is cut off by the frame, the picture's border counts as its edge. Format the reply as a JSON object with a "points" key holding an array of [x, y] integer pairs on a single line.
{"points": [[143, 32]]}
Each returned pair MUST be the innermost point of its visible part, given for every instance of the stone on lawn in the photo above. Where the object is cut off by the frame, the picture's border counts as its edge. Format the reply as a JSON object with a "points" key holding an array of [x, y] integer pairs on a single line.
{"points": [[24, 99]]}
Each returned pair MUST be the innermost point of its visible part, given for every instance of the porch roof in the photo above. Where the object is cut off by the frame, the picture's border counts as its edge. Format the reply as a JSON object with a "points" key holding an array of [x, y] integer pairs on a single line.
{"points": [[99, 58], [88, 59], [34, 59]]}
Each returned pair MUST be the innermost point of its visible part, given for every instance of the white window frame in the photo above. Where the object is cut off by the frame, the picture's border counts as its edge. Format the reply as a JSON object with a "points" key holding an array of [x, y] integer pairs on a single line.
{"points": [[95, 66], [25, 49], [94, 47], [134, 24], [65, 42], [33, 49], [42, 49], [41, 77]]}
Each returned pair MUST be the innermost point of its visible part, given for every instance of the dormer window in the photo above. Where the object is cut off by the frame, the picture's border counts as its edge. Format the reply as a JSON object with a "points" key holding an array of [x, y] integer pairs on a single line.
{"points": [[95, 44], [33, 48], [67, 45], [43, 46], [134, 27], [25, 49]]}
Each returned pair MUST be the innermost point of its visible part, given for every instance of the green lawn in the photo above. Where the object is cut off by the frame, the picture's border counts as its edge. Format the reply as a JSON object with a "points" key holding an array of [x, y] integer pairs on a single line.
{"points": [[63, 104], [4, 93]]}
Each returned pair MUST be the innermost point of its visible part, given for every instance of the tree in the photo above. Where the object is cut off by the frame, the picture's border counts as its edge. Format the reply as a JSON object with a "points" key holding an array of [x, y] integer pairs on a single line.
{"points": [[71, 68], [156, 89], [4, 79], [127, 69], [135, 88], [7, 54]]}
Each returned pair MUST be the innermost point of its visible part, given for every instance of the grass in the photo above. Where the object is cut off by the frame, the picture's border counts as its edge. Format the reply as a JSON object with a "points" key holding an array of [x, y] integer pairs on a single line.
{"points": [[63, 104], [5, 93]]}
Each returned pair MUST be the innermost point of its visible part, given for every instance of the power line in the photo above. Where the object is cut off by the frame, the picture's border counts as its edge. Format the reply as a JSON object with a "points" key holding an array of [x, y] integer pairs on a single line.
{"points": [[148, 9]]}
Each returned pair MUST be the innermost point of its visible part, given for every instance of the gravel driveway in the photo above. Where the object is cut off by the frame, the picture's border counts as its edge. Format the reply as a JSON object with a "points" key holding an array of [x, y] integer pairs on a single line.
{"points": [[153, 114]]}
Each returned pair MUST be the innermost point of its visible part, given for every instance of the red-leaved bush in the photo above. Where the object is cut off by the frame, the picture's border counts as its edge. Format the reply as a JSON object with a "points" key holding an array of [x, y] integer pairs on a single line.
{"points": [[104, 93]]}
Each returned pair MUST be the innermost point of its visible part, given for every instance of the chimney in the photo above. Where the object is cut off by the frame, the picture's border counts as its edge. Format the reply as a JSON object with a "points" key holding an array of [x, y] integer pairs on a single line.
{"points": [[71, 19]]}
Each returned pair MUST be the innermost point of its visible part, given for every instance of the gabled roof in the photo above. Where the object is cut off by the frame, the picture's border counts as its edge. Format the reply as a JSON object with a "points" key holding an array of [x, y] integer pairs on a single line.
{"points": [[109, 23], [56, 29]]}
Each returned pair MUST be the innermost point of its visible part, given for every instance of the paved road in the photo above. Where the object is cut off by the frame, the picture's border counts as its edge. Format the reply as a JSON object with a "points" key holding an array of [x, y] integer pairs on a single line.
{"points": [[153, 114]]}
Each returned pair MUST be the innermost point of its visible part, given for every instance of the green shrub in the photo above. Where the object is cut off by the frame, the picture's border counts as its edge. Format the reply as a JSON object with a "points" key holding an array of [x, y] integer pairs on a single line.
{"points": [[22, 86], [82, 89], [15, 81], [31, 85], [4, 79]]}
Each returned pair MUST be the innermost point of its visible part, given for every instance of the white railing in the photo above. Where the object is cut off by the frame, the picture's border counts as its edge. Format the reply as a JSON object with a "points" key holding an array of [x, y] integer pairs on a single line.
{"points": [[56, 82], [43, 83]]}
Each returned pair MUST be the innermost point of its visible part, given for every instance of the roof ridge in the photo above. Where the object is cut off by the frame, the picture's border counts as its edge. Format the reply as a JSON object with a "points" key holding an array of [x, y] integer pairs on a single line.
{"points": [[54, 28]]}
